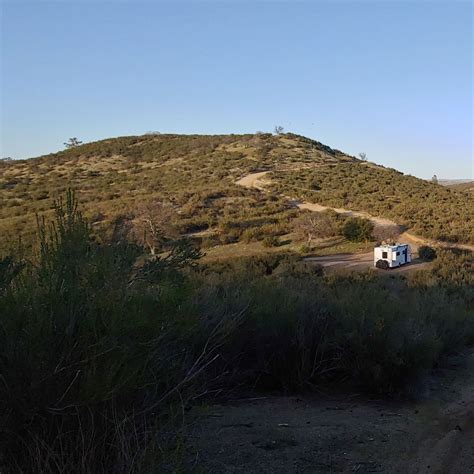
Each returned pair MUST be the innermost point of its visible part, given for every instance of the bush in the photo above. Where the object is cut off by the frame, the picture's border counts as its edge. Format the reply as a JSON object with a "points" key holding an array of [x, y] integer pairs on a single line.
{"points": [[251, 234], [304, 249], [357, 229], [271, 241], [89, 362], [426, 252]]}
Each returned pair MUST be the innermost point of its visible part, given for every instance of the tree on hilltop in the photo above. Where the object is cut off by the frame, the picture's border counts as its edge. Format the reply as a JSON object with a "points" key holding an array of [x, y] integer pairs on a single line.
{"points": [[72, 142]]}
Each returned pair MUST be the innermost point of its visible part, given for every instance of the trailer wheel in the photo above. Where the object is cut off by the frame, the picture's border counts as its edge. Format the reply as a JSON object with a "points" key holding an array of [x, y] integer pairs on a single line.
{"points": [[382, 264]]}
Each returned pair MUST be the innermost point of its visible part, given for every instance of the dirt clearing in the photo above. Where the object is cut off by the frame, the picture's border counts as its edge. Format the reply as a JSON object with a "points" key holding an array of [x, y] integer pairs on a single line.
{"points": [[342, 433], [253, 180]]}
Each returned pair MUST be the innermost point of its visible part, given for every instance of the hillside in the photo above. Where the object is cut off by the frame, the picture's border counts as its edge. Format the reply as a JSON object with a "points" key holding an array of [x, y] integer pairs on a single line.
{"points": [[467, 186], [197, 176]]}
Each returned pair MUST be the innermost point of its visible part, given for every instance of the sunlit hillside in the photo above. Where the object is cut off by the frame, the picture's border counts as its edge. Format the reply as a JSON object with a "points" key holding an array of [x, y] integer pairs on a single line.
{"points": [[197, 175]]}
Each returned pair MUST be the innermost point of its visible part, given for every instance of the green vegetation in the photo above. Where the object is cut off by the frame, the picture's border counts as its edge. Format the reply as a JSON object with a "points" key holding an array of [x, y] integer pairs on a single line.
{"points": [[196, 175], [425, 252], [357, 229], [101, 343]]}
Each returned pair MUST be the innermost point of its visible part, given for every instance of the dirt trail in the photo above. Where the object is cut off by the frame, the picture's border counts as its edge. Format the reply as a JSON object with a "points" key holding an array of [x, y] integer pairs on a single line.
{"points": [[361, 261], [319, 208], [342, 432], [254, 180]]}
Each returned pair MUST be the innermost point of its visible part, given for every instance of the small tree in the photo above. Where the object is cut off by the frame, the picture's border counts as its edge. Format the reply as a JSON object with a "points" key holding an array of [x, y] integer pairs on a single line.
{"points": [[386, 233], [72, 142], [363, 156], [357, 229], [434, 179], [154, 225], [279, 130], [317, 225]]}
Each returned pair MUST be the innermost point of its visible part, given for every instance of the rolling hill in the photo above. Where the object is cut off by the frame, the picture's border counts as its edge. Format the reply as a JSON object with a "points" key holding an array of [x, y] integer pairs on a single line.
{"points": [[197, 176], [467, 186]]}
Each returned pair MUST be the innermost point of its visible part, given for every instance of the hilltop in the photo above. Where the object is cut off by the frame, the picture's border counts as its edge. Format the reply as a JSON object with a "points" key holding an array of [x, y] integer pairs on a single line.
{"points": [[198, 176]]}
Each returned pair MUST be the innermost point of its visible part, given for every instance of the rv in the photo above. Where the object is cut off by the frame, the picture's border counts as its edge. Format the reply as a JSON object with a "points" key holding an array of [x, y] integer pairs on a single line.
{"points": [[391, 256]]}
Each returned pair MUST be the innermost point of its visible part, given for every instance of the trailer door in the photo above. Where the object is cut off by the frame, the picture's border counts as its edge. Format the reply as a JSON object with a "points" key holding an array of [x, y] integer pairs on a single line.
{"points": [[405, 254]]}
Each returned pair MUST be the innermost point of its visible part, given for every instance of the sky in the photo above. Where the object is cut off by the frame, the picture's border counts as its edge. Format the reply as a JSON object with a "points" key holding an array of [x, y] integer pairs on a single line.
{"points": [[392, 79]]}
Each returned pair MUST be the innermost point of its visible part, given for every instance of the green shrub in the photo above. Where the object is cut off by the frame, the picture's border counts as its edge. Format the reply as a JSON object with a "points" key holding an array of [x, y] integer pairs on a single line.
{"points": [[304, 249], [357, 229], [426, 252], [251, 234], [271, 241]]}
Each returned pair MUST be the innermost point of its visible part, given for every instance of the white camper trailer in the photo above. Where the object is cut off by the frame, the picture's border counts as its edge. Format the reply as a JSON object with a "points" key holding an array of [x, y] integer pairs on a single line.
{"points": [[391, 256]]}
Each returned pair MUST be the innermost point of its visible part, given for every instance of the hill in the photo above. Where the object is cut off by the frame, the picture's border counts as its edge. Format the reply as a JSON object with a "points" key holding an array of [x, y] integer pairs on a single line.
{"points": [[463, 186], [197, 177]]}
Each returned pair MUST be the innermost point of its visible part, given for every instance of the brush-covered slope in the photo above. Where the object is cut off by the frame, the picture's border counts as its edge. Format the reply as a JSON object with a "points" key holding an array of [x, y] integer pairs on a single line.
{"points": [[467, 186], [197, 175]]}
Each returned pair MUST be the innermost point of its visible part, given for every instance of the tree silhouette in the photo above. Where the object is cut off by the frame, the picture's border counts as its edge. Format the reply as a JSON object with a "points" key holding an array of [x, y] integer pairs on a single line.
{"points": [[72, 142]]}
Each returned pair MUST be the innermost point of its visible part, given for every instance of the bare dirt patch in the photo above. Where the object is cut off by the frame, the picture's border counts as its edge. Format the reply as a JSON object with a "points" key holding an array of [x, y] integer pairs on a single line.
{"points": [[253, 180], [342, 432]]}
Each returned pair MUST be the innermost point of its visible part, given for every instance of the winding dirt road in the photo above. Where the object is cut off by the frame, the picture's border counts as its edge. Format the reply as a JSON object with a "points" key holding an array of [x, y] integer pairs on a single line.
{"points": [[256, 181]]}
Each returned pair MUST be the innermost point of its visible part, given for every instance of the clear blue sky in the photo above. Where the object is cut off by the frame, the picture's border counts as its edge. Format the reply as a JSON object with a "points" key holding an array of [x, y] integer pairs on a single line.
{"points": [[390, 78]]}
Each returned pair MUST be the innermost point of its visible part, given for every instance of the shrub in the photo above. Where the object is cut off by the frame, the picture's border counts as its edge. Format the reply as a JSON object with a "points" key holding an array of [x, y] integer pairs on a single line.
{"points": [[426, 252], [89, 364], [357, 229], [270, 241], [304, 249], [251, 234]]}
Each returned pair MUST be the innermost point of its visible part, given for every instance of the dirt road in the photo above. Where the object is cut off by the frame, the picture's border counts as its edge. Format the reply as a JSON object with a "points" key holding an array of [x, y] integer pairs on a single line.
{"points": [[361, 261], [319, 208], [342, 433], [254, 180]]}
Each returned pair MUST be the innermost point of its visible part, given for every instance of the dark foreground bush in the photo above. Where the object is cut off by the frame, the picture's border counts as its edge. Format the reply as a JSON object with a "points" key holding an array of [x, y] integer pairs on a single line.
{"points": [[302, 330], [90, 360], [97, 349]]}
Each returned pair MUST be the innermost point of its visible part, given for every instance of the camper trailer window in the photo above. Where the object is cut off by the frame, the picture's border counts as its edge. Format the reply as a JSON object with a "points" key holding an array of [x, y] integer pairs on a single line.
{"points": [[384, 255], [398, 253]]}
